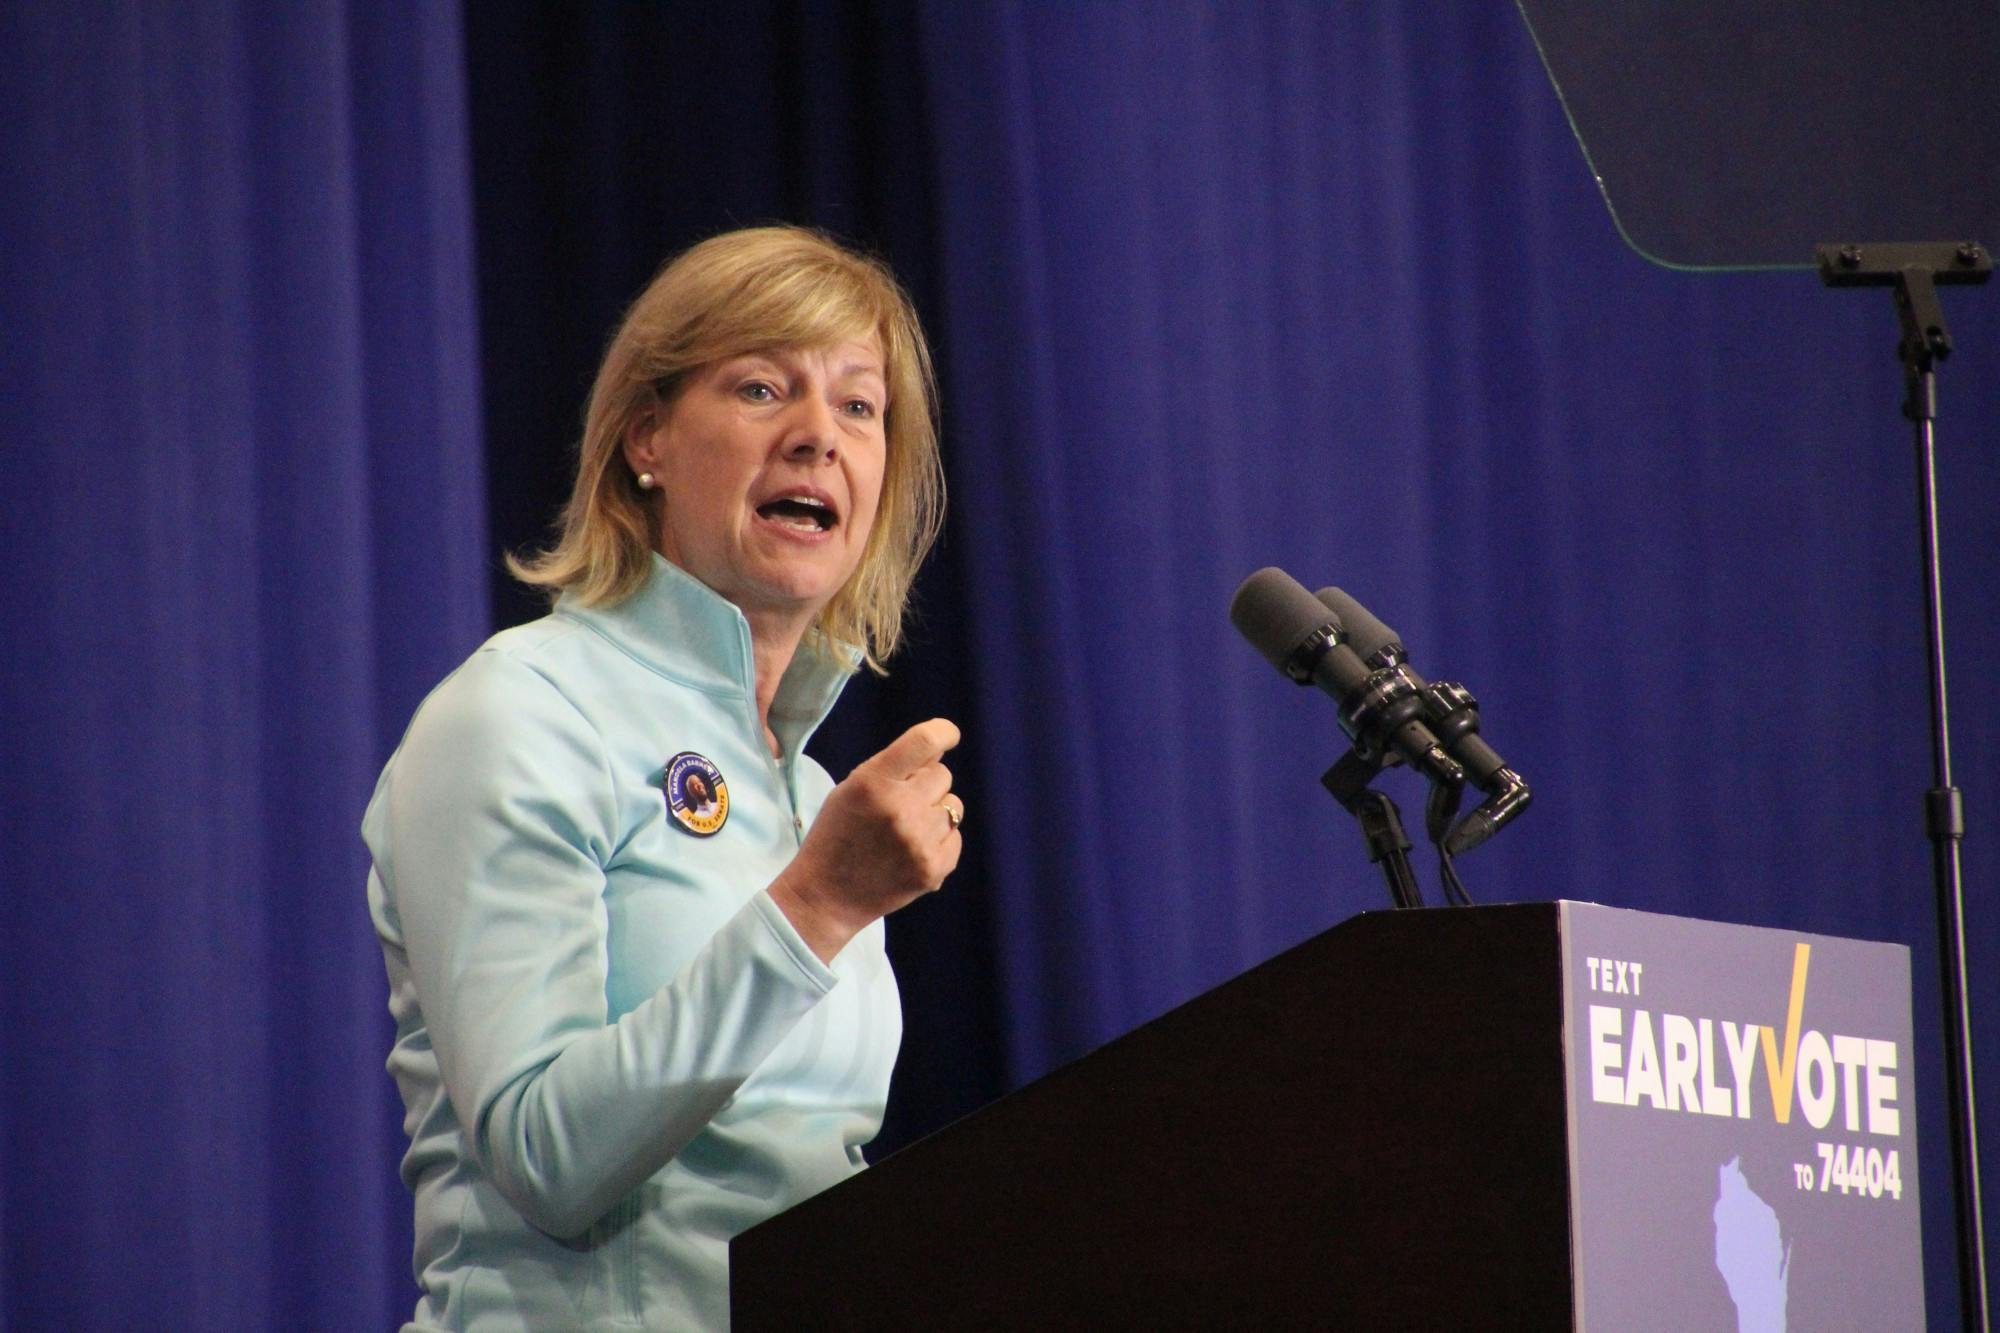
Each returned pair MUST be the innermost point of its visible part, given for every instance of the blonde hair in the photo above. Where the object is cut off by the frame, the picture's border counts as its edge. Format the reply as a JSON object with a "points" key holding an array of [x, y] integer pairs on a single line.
{"points": [[742, 292]]}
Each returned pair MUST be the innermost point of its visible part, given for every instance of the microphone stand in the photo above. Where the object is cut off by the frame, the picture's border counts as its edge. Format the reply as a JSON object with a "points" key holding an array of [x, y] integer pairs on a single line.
{"points": [[1381, 822], [1382, 826], [1451, 709], [1915, 271]]}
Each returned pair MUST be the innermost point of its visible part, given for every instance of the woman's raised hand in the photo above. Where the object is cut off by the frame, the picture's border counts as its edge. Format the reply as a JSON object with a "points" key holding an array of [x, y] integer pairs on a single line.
{"points": [[886, 835]]}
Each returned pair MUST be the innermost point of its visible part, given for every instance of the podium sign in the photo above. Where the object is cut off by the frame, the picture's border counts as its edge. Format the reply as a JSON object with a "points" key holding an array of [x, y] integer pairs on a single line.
{"points": [[1743, 1102]]}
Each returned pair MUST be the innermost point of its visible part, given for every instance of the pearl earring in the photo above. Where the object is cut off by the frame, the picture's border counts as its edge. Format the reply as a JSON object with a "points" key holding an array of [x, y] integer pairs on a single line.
{"points": [[645, 481]]}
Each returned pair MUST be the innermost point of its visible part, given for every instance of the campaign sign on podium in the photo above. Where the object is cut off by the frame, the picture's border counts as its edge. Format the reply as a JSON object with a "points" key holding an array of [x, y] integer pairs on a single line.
{"points": [[1741, 1100]]}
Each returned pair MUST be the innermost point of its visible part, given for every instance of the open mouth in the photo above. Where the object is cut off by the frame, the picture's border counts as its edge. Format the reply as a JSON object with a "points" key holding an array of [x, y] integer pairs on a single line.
{"points": [[807, 513]]}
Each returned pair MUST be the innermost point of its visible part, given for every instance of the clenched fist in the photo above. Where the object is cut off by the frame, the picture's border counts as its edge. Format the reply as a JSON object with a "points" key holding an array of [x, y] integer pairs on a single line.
{"points": [[886, 835]]}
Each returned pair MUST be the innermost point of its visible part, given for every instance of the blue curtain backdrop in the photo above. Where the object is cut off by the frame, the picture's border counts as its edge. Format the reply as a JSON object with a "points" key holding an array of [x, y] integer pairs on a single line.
{"points": [[245, 525], [1214, 287]]}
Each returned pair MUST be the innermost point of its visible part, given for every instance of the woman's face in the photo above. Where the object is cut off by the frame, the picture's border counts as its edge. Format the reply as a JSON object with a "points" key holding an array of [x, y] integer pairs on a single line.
{"points": [[770, 468]]}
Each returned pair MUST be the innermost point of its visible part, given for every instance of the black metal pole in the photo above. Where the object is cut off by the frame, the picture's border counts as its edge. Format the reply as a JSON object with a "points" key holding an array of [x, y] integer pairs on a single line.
{"points": [[1915, 272], [1944, 819]]}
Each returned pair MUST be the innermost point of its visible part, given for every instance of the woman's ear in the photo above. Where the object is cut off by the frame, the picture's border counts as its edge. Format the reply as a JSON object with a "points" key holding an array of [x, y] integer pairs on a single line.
{"points": [[639, 446]]}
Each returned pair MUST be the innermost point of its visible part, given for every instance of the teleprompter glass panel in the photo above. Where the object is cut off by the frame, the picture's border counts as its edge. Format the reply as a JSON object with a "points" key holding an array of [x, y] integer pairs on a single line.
{"points": [[1741, 133]]}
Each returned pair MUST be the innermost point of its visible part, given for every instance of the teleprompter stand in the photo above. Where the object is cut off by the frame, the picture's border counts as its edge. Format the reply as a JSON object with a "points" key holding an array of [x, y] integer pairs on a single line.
{"points": [[1727, 137], [1915, 271]]}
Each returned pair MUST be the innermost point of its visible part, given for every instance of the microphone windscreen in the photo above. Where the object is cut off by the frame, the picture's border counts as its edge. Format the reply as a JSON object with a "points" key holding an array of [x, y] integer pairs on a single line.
{"points": [[1277, 615], [1365, 634]]}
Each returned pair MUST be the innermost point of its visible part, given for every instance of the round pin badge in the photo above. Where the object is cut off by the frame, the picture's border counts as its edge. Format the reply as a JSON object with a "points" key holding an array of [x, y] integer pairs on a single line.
{"points": [[696, 794]]}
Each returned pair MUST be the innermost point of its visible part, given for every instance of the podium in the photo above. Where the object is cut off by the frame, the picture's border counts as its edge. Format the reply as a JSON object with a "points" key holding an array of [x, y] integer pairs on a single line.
{"points": [[1541, 1115]]}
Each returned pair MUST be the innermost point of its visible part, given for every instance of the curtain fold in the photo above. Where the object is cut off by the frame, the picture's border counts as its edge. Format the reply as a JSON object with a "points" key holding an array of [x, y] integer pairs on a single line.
{"points": [[247, 525]]}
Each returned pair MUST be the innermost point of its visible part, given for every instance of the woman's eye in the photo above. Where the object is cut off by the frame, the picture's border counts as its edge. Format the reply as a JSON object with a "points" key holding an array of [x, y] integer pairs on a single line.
{"points": [[758, 392], [859, 408]]}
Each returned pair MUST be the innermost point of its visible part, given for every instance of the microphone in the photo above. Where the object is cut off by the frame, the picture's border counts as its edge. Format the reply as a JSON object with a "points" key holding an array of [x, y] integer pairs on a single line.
{"points": [[1381, 712], [1452, 713]]}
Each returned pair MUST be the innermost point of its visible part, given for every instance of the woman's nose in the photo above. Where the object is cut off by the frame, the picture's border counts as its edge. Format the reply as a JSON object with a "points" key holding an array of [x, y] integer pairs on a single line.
{"points": [[810, 433]]}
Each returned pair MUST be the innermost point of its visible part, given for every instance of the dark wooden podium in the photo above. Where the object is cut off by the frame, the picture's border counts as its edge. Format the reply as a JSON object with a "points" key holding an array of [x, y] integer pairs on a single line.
{"points": [[1553, 1115], [1365, 1131]]}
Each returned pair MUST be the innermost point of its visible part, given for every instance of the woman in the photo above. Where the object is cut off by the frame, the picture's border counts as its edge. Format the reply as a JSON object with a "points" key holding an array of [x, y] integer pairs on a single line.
{"points": [[633, 933]]}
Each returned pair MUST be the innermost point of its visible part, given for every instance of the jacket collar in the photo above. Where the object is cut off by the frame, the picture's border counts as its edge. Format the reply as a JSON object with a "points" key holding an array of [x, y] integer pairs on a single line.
{"points": [[681, 628]]}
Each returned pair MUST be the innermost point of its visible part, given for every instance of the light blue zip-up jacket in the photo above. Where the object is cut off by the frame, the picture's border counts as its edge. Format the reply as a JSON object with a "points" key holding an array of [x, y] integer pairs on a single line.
{"points": [[613, 1049]]}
